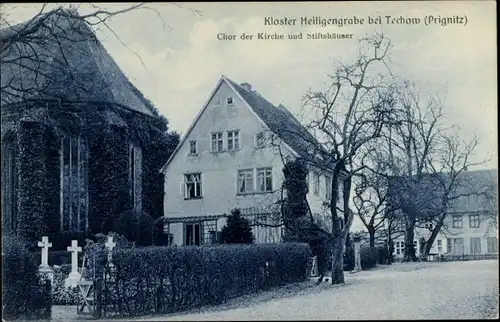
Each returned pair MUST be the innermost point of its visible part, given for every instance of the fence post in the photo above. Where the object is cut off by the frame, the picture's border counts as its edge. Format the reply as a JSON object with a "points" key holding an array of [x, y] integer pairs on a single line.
{"points": [[48, 293], [98, 297]]}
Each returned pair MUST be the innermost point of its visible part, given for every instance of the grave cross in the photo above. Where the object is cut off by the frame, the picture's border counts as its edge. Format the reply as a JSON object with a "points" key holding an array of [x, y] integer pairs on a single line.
{"points": [[110, 244], [45, 251], [75, 249]]}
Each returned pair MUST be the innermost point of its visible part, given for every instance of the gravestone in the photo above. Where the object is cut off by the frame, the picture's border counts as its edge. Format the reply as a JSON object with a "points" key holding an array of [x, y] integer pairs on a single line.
{"points": [[110, 244], [44, 267], [74, 276]]}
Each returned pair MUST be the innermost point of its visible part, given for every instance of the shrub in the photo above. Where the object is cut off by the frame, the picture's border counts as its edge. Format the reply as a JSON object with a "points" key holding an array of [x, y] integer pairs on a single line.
{"points": [[159, 236], [368, 257], [24, 293], [168, 279], [237, 229], [145, 226], [383, 256], [126, 225], [62, 295]]}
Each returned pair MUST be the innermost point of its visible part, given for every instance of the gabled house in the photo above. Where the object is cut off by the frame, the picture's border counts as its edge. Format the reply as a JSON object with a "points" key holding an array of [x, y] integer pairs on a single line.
{"points": [[471, 224], [232, 156]]}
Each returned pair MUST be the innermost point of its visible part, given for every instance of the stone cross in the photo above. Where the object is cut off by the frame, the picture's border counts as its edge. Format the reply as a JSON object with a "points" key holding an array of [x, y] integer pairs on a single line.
{"points": [[75, 249], [75, 276], [45, 251], [110, 244], [357, 256]]}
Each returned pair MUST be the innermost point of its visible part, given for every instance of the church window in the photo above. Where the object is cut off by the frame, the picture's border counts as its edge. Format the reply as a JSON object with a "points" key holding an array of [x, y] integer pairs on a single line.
{"points": [[74, 183], [135, 174]]}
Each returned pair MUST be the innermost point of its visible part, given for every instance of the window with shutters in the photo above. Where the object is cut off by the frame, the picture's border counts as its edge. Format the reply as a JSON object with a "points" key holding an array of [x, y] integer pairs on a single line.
{"points": [[74, 184]]}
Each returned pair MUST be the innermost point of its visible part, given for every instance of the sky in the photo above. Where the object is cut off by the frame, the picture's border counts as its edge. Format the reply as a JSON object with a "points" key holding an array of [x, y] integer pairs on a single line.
{"points": [[172, 54]]}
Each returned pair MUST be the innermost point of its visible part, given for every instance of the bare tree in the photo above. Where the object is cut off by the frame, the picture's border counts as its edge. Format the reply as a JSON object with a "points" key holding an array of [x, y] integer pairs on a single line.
{"points": [[426, 158], [370, 196], [343, 134], [37, 53]]}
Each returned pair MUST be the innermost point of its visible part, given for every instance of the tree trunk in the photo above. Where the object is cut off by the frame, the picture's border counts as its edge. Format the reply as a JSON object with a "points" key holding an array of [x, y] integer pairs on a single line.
{"points": [[338, 260], [371, 232], [409, 255], [429, 242]]}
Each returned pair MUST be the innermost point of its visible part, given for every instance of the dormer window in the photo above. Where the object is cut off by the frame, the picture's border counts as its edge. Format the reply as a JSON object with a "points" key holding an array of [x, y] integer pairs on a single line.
{"points": [[193, 148], [229, 101]]}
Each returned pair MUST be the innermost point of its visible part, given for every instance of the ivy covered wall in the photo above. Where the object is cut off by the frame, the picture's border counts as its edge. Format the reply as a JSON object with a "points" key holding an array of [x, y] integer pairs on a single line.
{"points": [[108, 131]]}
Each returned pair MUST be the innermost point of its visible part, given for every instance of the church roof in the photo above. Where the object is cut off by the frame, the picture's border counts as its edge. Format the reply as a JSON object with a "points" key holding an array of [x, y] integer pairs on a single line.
{"points": [[67, 62]]}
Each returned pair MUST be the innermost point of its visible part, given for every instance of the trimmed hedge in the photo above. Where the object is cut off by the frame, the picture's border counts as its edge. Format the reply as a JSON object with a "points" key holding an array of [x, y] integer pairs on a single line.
{"points": [[24, 294], [155, 279]]}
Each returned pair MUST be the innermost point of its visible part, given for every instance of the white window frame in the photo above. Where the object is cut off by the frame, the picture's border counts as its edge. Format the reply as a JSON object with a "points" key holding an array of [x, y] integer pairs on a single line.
{"points": [[476, 222], [249, 188], [218, 139], [458, 224], [267, 173], [196, 181], [230, 98], [195, 147], [233, 140]]}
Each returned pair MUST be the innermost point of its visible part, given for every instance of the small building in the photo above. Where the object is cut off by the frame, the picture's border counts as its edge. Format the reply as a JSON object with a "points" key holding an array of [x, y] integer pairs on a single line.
{"points": [[471, 224]]}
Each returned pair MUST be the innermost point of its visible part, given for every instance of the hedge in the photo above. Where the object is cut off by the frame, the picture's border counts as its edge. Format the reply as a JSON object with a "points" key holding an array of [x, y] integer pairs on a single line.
{"points": [[156, 279], [24, 294]]}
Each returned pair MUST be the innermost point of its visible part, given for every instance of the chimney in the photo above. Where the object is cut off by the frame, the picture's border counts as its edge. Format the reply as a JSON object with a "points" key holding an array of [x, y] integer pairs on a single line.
{"points": [[246, 86]]}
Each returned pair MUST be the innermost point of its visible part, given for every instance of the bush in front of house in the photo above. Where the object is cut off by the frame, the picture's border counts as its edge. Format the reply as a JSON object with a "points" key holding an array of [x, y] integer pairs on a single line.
{"points": [[126, 225], [145, 230], [237, 229], [138, 228], [383, 255], [24, 294], [368, 257], [170, 279]]}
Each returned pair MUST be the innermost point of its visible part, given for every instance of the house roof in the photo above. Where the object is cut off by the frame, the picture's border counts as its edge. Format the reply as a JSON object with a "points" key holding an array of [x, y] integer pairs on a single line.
{"points": [[277, 118], [67, 63], [474, 191], [282, 122]]}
